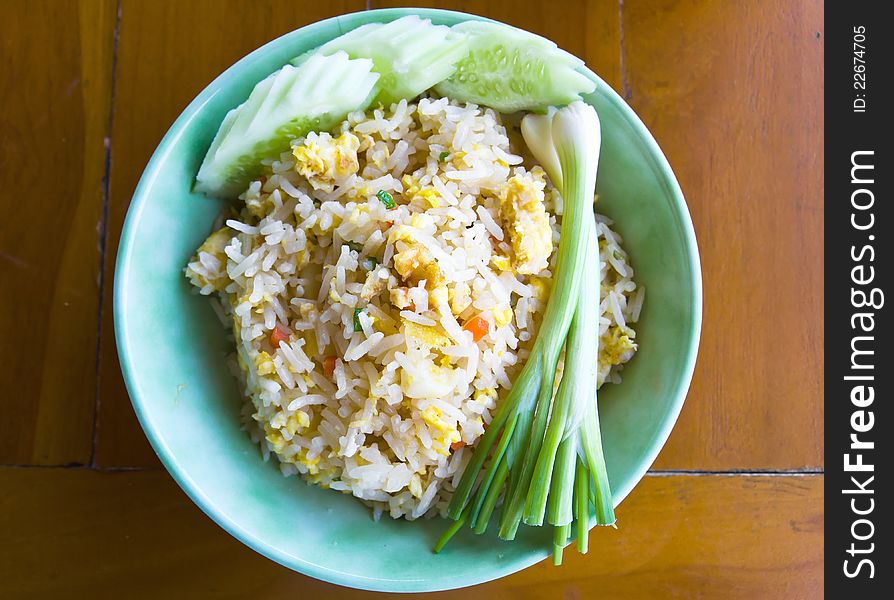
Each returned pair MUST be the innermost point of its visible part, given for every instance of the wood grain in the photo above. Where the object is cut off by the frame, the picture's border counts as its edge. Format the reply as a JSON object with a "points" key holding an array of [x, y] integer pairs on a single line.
{"points": [[55, 94], [589, 29], [164, 60], [733, 92], [93, 534]]}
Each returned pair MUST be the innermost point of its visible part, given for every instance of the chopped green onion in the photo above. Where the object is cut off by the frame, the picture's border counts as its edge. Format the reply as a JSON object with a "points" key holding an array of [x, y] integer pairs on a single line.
{"points": [[386, 199], [490, 500], [443, 156], [582, 504], [356, 247], [481, 500], [560, 538], [452, 530], [357, 326]]}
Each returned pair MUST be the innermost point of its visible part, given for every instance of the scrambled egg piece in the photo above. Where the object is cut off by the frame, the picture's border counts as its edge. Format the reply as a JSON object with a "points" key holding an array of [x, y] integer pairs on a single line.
{"points": [[279, 444], [274, 438], [217, 241], [407, 232], [306, 309], [416, 263], [433, 381], [430, 196], [484, 395], [259, 205], [445, 432], [311, 464], [524, 215], [264, 363], [425, 336], [541, 287], [502, 316], [334, 296], [321, 158], [438, 297], [359, 216], [296, 422], [375, 284], [500, 262], [615, 347], [426, 197], [460, 296], [411, 185], [214, 246], [400, 298]]}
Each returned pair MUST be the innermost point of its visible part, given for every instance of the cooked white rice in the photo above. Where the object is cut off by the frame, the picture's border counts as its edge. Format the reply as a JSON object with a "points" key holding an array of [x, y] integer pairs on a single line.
{"points": [[349, 317]]}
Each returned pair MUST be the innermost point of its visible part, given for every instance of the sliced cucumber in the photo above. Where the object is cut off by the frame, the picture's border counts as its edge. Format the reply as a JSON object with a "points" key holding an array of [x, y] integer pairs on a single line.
{"points": [[410, 53], [510, 70], [315, 96]]}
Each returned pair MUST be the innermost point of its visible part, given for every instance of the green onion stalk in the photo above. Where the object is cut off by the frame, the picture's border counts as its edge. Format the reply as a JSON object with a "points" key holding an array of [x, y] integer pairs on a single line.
{"points": [[543, 454]]}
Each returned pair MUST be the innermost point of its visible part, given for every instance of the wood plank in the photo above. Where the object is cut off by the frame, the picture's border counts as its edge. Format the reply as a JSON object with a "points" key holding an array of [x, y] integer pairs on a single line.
{"points": [[589, 29], [55, 91], [80, 532], [734, 94], [168, 52]]}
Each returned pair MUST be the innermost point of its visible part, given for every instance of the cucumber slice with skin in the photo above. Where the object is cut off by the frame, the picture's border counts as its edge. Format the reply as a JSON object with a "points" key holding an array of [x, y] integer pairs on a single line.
{"points": [[410, 53], [510, 70], [288, 104]]}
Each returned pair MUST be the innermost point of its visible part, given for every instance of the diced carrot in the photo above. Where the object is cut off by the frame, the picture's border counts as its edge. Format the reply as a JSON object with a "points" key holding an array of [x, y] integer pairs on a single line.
{"points": [[457, 445], [478, 326], [329, 365], [279, 334]]}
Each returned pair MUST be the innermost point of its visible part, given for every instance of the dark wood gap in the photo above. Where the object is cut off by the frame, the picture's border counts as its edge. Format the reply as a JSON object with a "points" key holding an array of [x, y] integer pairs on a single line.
{"points": [[104, 231]]}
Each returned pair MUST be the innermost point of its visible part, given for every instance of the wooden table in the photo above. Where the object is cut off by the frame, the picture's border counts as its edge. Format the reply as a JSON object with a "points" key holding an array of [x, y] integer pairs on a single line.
{"points": [[731, 90]]}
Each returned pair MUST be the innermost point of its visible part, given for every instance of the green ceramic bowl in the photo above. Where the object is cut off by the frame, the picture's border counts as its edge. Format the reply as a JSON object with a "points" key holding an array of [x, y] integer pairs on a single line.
{"points": [[172, 350]]}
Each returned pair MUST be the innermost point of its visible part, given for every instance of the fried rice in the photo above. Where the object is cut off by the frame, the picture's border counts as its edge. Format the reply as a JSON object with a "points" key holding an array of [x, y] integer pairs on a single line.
{"points": [[384, 284]]}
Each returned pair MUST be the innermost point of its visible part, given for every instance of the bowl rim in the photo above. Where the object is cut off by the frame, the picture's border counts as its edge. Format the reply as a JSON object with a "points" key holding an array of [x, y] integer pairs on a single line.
{"points": [[128, 368]]}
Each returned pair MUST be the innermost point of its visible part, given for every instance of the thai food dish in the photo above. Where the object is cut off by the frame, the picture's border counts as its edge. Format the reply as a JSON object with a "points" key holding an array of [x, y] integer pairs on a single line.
{"points": [[422, 299]]}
